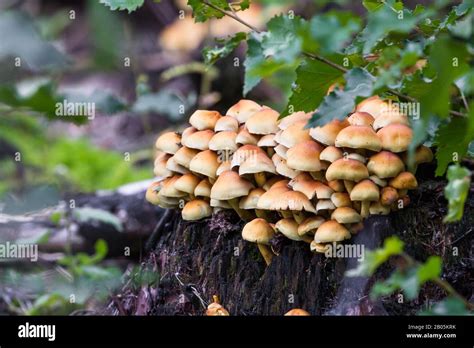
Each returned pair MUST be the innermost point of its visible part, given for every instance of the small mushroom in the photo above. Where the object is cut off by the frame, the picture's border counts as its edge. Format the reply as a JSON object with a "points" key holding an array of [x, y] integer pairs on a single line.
{"points": [[263, 122], [226, 123], [205, 163], [261, 232], [395, 137], [327, 134], [331, 231], [365, 191], [196, 209], [204, 119], [168, 142], [243, 110], [215, 308], [297, 312]]}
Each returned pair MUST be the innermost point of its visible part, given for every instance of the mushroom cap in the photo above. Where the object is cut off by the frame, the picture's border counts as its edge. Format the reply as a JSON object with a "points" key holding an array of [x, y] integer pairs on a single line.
{"points": [[395, 137], [187, 183], [224, 140], [330, 154], [169, 190], [365, 190], [310, 224], [152, 192], [341, 199], [204, 119], [282, 168], [275, 182], [325, 204], [376, 208], [175, 167], [205, 163], [226, 123], [264, 121], [357, 157], [389, 195], [404, 181], [327, 134], [258, 231], [168, 142], [203, 189], [423, 154], [294, 134], [331, 231], [257, 164], [296, 117], [289, 228], [297, 312], [244, 153], [266, 200], [187, 132], [245, 138], [223, 167], [199, 140], [243, 109], [311, 188], [378, 181], [215, 203], [385, 164], [230, 185], [281, 151], [267, 141], [347, 169], [304, 156], [373, 105], [159, 168], [346, 215], [360, 118], [336, 185], [318, 247], [293, 200], [390, 117], [184, 156], [196, 209], [251, 200], [358, 137]]}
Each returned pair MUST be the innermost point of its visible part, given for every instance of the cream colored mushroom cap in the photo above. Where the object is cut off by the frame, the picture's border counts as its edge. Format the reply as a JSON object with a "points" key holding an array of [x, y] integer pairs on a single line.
{"points": [[263, 122], [331, 231], [346, 215], [330, 154], [385, 164], [224, 140], [327, 134], [304, 156], [258, 231], [360, 118], [245, 138], [310, 224], [203, 189], [187, 183], [347, 169], [296, 117], [359, 137], [204, 119], [243, 109], [365, 190], [205, 163], [289, 228], [395, 137], [168, 142], [230, 185], [184, 156], [294, 134], [251, 200], [199, 140], [227, 123], [196, 209], [258, 164]]}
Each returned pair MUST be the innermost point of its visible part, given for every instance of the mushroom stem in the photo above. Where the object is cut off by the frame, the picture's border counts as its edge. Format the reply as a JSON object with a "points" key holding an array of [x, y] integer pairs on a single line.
{"points": [[266, 253], [244, 214], [364, 210], [402, 193], [286, 214], [270, 151], [318, 176], [307, 239], [261, 214], [349, 185], [298, 216], [260, 179], [212, 180]]}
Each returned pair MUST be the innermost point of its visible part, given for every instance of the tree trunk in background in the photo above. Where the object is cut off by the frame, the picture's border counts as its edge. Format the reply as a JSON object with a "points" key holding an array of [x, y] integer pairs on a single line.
{"points": [[196, 260]]}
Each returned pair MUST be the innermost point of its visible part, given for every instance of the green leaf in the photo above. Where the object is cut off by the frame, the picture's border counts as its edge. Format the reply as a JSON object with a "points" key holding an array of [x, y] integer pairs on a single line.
{"points": [[313, 78], [336, 105], [448, 306], [253, 59], [90, 214], [372, 5], [213, 54], [456, 191], [373, 259], [430, 270], [129, 5], [203, 12]]}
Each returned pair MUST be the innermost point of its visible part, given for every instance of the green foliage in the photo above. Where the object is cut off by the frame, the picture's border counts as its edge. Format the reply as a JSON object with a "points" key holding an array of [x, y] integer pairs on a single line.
{"points": [[213, 54], [203, 12], [339, 103], [449, 306], [129, 5], [456, 191], [164, 102], [87, 214]]}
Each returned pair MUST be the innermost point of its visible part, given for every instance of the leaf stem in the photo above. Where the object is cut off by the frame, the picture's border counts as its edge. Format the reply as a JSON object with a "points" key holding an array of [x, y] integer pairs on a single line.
{"points": [[231, 15]]}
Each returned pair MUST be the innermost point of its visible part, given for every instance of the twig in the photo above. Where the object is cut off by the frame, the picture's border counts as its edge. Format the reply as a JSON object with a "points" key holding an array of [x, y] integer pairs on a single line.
{"points": [[318, 57]]}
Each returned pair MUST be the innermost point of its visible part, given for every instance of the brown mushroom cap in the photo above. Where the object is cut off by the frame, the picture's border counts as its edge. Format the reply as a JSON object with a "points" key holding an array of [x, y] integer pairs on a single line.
{"points": [[423, 154], [297, 312], [281, 151], [373, 105], [311, 188], [289, 228], [376, 208], [226, 123], [169, 190], [294, 201], [304, 156], [327, 134], [230, 185], [203, 189], [175, 167], [358, 137], [347, 169], [263, 122], [395, 137], [346, 215], [365, 190], [205, 163], [336, 185], [389, 195], [294, 134], [378, 181], [196, 209], [215, 203], [341, 199], [184, 156], [330, 154], [282, 168], [160, 166], [324, 204], [267, 141], [251, 200], [243, 110], [257, 164], [187, 183], [223, 167], [361, 118], [357, 157], [310, 224], [296, 117], [204, 119], [186, 133], [168, 142], [245, 138], [267, 200], [390, 117], [331, 231], [199, 140], [318, 247], [404, 181], [224, 140], [244, 153], [272, 181], [152, 191], [258, 231], [385, 164]]}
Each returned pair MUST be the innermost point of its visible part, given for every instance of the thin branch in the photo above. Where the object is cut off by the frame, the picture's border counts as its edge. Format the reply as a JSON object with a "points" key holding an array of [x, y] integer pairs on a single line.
{"points": [[318, 57]]}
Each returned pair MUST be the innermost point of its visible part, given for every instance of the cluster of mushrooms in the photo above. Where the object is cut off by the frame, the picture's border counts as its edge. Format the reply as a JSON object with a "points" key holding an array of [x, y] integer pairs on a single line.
{"points": [[314, 185]]}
